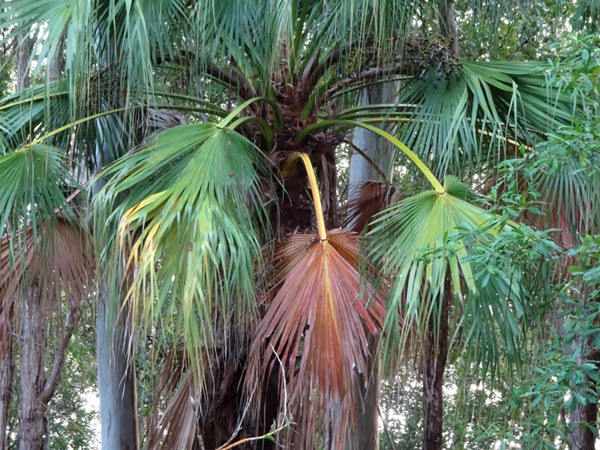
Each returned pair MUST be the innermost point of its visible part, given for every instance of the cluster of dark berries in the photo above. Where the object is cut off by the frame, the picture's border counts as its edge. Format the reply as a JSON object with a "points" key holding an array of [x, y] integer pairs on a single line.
{"points": [[431, 55]]}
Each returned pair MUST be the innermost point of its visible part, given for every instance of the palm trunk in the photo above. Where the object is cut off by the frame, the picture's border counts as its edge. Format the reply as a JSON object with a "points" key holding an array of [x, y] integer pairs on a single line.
{"points": [[366, 435], [116, 373], [434, 366], [33, 410]]}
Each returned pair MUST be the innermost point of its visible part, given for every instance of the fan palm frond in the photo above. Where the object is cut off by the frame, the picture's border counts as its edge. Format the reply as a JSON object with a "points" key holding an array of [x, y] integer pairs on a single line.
{"points": [[417, 242], [30, 188], [186, 231], [478, 111], [26, 114], [314, 325]]}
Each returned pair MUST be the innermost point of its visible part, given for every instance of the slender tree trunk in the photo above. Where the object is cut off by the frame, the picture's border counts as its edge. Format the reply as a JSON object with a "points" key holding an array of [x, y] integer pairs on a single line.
{"points": [[6, 371], [33, 410], [116, 385], [581, 436], [23, 56], [434, 366], [366, 435], [57, 62], [585, 415], [37, 389]]}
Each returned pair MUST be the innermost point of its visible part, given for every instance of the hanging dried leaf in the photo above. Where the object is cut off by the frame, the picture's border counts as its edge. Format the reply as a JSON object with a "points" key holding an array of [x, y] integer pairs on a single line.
{"points": [[316, 325], [372, 197], [61, 262]]}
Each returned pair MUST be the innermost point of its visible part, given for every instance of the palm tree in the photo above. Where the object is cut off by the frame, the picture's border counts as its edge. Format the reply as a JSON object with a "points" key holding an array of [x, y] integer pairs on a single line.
{"points": [[193, 116]]}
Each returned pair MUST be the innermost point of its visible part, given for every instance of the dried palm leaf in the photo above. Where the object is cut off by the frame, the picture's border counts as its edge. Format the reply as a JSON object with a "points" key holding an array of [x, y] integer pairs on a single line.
{"points": [[314, 324], [372, 197]]}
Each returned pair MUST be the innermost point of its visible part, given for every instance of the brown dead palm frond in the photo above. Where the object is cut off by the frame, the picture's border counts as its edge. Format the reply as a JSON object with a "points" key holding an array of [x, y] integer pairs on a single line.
{"points": [[372, 197], [178, 401], [317, 324], [59, 261]]}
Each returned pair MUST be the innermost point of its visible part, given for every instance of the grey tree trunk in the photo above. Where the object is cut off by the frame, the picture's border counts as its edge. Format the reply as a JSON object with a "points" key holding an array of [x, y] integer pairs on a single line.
{"points": [[116, 385], [116, 374], [376, 148], [23, 56], [581, 436], [57, 62], [33, 410], [381, 153]]}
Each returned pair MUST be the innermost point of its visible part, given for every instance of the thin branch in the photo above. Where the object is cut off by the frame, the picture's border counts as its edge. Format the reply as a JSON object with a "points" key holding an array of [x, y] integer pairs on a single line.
{"points": [[271, 433], [51, 384], [255, 438], [385, 428]]}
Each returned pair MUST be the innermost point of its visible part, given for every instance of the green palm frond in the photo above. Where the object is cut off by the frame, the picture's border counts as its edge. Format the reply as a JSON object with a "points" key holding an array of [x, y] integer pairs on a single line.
{"points": [[26, 114], [186, 229], [478, 111], [30, 188], [421, 240]]}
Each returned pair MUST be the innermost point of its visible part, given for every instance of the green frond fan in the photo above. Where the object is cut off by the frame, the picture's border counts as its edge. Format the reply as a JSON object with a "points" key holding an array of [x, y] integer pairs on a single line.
{"points": [[425, 244], [181, 220]]}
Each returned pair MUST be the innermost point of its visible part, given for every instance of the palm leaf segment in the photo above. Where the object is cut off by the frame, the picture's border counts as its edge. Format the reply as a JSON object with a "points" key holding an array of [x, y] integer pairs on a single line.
{"points": [[186, 231]]}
